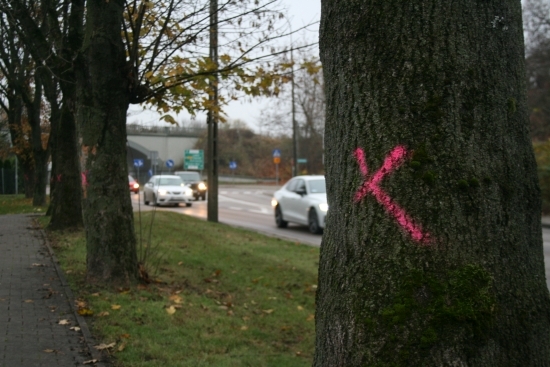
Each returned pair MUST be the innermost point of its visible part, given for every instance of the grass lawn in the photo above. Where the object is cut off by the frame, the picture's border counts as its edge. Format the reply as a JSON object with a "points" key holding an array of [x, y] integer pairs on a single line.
{"points": [[220, 297], [18, 204]]}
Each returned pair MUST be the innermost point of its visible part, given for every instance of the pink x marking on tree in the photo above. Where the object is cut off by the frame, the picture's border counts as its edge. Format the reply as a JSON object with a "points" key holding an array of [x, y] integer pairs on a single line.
{"points": [[372, 186]]}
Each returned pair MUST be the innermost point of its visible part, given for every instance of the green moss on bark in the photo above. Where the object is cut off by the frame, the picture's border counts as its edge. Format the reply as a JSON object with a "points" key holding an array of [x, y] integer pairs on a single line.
{"points": [[435, 309]]}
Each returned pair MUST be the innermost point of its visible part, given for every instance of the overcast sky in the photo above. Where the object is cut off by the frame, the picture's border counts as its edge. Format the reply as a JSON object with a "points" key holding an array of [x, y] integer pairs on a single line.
{"points": [[300, 13]]}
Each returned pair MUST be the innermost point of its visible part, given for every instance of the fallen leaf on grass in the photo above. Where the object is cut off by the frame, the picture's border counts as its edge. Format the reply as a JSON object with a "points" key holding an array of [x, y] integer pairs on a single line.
{"points": [[268, 311], [121, 347], [125, 336], [298, 353], [244, 327], [104, 313], [49, 350], [171, 310], [85, 312], [103, 346], [285, 328], [95, 294], [175, 298], [28, 301], [36, 264], [75, 328], [180, 263], [91, 361], [115, 307], [310, 318], [64, 322], [300, 308]]}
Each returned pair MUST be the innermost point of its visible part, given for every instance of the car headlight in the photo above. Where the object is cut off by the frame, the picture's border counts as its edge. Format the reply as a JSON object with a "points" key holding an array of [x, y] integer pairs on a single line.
{"points": [[162, 192], [202, 186], [323, 207], [188, 192], [274, 202]]}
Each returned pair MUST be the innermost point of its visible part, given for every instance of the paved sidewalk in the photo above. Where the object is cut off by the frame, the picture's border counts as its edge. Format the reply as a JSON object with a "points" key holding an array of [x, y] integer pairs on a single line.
{"points": [[33, 302]]}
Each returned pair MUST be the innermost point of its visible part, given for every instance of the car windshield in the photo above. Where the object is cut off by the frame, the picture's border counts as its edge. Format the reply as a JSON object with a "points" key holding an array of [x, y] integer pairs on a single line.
{"points": [[172, 181], [189, 176], [317, 186]]}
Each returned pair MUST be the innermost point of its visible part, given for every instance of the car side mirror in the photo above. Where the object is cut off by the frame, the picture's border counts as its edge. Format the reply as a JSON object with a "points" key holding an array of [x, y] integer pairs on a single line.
{"points": [[301, 192]]}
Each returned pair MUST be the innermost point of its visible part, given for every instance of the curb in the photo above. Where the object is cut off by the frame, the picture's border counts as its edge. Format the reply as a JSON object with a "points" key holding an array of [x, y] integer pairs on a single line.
{"points": [[86, 334]]}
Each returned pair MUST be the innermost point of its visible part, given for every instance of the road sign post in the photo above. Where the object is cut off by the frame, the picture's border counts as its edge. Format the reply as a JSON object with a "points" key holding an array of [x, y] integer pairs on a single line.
{"points": [[138, 163], [233, 167], [193, 159], [276, 160], [169, 164]]}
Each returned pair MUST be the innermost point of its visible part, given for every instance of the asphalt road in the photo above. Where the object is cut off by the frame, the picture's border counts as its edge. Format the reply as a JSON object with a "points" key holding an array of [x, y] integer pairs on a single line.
{"points": [[249, 207], [244, 206]]}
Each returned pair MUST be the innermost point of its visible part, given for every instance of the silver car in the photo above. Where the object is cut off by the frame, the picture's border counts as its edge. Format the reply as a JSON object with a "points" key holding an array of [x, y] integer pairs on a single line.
{"points": [[302, 200], [167, 190]]}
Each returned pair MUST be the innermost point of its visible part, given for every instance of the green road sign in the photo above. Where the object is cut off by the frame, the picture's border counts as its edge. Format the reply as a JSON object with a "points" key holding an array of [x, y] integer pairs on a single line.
{"points": [[193, 159]]}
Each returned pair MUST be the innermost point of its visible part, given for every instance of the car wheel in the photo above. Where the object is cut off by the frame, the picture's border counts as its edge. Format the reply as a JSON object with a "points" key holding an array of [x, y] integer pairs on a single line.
{"points": [[145, 200], [313, 222], [188, 204], [281, 223], [155, 200]]}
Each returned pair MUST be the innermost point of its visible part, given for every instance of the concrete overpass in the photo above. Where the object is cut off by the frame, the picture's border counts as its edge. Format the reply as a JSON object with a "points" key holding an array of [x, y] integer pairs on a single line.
{"points": [[158, 144]]}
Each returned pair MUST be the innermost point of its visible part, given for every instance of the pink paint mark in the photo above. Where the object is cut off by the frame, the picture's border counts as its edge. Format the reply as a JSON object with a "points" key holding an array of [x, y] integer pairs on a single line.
{"points": [[371, 186], [84, 178]]}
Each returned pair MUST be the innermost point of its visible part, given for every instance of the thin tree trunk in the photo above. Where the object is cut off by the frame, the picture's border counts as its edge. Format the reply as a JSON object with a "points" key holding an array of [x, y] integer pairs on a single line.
{"points": [[65, 184], [103, 102], [432, 255]]}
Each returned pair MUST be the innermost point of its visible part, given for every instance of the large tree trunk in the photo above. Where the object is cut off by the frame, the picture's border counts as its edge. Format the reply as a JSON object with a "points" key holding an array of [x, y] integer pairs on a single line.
{"points": [[432, 255], [103, 102]]}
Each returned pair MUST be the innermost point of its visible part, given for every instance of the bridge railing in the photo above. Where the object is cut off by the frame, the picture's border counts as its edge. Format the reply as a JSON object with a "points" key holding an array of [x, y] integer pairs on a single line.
{"points": [[135, 129]]}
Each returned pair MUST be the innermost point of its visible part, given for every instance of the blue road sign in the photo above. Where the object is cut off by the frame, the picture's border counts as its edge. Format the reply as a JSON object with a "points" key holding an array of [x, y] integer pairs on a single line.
{"points": [[138, 163], [276, 153], [232, 165], [169, 163]]}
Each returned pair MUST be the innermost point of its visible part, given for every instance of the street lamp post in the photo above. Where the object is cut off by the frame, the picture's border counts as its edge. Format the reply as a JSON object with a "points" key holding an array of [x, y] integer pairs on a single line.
{"points": [[294, 129]]}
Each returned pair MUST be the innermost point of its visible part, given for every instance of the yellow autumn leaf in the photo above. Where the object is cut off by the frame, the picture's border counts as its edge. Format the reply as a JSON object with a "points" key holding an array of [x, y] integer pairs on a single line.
{"points": [[268, 311], [103, 346], [171, 310], [64, 322], [85, 312], [115, 307], [175, 298]]}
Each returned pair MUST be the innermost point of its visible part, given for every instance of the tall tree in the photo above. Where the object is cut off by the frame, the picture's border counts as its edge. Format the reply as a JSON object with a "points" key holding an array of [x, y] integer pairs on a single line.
{"points": [[103, 99], [51, 32], [432, 254]]}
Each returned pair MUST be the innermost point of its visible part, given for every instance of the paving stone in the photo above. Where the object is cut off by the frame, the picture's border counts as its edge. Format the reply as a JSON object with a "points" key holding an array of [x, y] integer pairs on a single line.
{"points": [[30, 334]]}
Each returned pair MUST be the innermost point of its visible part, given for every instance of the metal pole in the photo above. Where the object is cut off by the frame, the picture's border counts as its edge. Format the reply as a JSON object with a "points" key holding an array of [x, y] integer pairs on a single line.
{"points": [[16, 188], [212, 205], [277, 174], [294, 138]]}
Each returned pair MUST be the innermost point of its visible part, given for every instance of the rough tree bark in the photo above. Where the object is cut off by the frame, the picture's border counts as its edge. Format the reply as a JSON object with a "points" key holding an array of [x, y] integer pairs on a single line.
{"points": [[101, 118], [432, 255]]}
